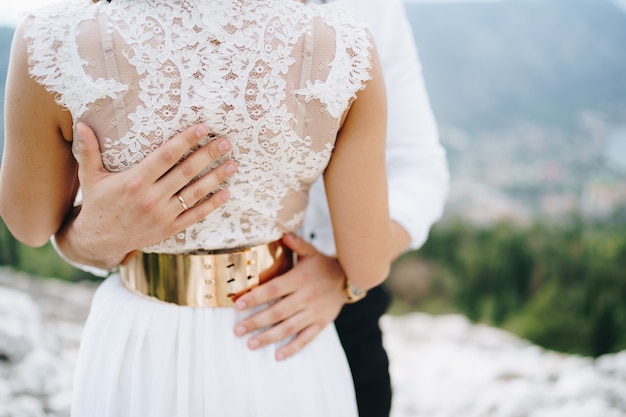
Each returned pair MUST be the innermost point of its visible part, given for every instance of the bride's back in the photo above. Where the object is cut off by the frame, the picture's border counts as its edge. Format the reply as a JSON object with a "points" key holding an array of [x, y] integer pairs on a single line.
{"points": [[274, 76]]}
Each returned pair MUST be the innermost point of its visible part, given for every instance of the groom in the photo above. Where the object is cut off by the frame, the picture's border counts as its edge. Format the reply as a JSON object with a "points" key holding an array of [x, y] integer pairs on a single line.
{"points": [[313, 294]]}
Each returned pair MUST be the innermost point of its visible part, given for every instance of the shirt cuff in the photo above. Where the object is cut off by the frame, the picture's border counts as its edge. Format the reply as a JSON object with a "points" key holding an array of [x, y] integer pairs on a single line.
{"points": [[417, 217], [87, 268]]}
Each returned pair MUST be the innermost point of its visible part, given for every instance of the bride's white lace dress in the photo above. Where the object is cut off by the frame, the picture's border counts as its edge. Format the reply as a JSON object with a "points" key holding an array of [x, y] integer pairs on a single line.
{"points": [[275, 76]]}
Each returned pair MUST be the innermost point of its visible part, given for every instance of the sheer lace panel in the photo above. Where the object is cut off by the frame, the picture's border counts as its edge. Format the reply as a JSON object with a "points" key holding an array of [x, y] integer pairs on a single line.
{"points": [[275, 76]]}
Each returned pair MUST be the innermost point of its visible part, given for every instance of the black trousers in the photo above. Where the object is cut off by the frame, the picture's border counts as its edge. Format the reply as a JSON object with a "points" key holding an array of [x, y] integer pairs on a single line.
{"points": [[361, 337]]}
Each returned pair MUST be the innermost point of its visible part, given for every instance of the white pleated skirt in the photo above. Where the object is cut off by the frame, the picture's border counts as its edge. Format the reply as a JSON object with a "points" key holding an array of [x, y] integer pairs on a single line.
{"points": [[144, 358]]}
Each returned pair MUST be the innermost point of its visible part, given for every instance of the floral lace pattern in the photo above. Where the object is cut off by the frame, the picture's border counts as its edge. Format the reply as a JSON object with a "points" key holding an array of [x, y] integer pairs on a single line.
{"points": [[275, 76]]}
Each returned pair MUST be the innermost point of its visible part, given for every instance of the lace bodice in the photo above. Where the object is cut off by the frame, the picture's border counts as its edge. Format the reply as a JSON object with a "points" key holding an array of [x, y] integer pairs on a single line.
{"points": [[275, 76]]}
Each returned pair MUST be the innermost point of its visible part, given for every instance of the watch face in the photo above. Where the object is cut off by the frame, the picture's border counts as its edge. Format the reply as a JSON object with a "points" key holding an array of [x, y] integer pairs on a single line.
{"points": [[356, 291]]}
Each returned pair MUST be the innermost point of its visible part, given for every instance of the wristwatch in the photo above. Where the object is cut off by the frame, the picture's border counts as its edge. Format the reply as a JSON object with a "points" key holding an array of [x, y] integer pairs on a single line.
{"points": [[353, 292]]}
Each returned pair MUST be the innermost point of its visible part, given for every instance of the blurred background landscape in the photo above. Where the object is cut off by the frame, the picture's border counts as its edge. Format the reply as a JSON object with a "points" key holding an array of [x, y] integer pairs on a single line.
{"points": [[530, 98]]}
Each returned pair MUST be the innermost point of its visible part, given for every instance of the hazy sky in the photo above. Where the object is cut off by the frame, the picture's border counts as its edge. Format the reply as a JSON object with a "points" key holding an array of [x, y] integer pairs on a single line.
{"points": [[12, 10]]}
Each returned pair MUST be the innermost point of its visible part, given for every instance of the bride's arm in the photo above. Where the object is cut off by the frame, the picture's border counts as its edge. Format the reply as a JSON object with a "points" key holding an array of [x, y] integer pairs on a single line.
{"points": [[356, 187], [38, 172]]}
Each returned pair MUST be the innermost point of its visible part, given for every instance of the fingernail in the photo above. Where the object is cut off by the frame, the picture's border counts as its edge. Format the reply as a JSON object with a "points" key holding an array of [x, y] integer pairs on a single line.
{"points": [[231, 168], [223, 145], [223, 196], [240, 330], [202, 130], [280, 356], [253, 343], [240, 305]]}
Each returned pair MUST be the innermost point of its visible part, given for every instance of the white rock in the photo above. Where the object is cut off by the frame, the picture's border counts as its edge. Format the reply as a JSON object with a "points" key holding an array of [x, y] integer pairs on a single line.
{"points": [[38, 374], [447, 367], [588, 407], [5, 391], [22, 407], [613, 364], [59, 404], [20, 324]]}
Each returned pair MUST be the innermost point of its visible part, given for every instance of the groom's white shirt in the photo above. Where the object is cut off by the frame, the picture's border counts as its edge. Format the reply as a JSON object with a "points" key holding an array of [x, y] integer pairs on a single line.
{"points": [[416, 162]]}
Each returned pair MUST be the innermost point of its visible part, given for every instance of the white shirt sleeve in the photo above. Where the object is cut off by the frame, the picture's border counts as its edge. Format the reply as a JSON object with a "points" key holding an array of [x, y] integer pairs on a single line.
{"points": [[416, 162]]}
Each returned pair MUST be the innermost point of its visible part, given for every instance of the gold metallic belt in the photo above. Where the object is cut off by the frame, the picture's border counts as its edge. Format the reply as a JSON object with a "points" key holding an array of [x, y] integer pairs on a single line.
{"points": [[215, 279]]}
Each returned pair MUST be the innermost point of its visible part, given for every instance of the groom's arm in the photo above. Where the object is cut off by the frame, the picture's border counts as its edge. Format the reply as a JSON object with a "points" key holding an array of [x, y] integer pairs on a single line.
{"points": [[125, 211]]}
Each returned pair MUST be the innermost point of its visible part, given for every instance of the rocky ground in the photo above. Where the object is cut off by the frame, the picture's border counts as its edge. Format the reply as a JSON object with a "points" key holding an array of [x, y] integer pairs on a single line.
{"points": [[441, 366]]}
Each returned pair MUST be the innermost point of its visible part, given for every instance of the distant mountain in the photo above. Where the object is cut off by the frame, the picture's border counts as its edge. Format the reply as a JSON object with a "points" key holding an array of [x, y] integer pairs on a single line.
{"points": [[488, 64], [530, 96]]}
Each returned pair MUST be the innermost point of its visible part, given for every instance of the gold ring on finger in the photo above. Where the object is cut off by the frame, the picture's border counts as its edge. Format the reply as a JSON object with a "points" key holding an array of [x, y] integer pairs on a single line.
{"points": [[182, 202]]}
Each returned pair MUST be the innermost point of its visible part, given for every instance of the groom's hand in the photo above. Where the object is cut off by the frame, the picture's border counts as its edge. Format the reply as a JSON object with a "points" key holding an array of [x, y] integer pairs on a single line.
{"points": [[308, 298], [124, 211]]}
